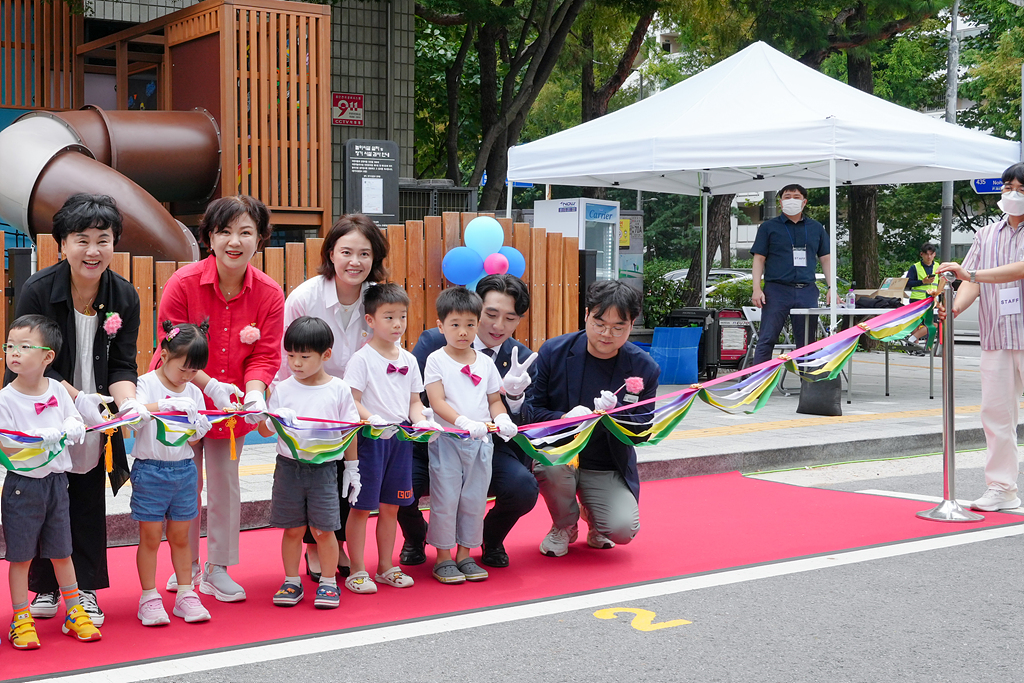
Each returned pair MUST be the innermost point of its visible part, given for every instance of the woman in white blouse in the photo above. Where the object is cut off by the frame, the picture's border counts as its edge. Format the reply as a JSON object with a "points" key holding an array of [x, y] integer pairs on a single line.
{"points": [[351, 260]]}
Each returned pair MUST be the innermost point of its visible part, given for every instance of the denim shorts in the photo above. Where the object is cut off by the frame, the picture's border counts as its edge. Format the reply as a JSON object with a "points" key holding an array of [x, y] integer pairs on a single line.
{"points": [[385, 472], [35, 517], [165, 489], [305, 494]]}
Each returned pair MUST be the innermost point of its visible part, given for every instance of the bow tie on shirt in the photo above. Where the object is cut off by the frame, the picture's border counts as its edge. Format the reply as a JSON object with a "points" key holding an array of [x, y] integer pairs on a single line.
{"points": [[51, 403], [402, 371], [467, 371]]}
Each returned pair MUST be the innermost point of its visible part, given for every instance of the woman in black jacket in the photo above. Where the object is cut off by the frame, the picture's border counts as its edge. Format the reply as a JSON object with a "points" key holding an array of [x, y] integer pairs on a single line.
{"points": [[98, 314]]}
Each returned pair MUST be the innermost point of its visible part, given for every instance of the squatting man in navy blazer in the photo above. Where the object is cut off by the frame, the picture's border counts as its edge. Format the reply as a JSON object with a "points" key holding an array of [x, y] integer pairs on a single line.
{"points": [[577, 374], [506, 299]]}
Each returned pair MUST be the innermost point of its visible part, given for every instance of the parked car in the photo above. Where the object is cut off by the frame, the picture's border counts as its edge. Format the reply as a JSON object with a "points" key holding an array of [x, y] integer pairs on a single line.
{"points": [[748, 277], [716, 276]]}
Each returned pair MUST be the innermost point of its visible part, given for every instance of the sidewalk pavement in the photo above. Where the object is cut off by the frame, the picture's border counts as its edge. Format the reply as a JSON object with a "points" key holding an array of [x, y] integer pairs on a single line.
{"points": [[873, 426]]}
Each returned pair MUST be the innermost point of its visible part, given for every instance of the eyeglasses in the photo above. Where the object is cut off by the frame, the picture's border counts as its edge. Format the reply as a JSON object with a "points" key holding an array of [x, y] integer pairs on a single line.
{"points": [[613, 330], [23, 348], [1007, 188]]}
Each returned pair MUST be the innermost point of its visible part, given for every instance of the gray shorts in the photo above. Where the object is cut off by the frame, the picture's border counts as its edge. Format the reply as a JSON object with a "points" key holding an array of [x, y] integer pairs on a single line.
{"points": [[35, 516], [305, 494]]}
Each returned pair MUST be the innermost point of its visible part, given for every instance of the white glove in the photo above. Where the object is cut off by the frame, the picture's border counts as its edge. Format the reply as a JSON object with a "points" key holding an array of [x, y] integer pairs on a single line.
{"points": [[74, 428], [259, 407], [203, 427], [90, 406], [222, 394], [131, 405], [517, 379], [180, 404], [350, 484], [380, 423], [477, 430], [51, 436], [430, 424], [579, 411], [506, 427], [606, 401], [287, 416]]}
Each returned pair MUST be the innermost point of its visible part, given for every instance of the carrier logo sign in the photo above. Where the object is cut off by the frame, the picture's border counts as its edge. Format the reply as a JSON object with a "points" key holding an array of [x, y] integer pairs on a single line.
{"points": [[599, 212], [346, 109]]}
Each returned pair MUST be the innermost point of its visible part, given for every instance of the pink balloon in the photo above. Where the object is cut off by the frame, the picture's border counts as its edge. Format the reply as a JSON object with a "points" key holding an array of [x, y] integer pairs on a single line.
{"points": [[496, 264]]}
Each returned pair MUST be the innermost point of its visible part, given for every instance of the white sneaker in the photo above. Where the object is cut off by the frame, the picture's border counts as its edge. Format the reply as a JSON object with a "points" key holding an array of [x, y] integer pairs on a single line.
{"points": [[215, 581], [189, 607], [556, 543], [595, 539], [92, 607], [172, 580], [996, 499], [45, 605]]}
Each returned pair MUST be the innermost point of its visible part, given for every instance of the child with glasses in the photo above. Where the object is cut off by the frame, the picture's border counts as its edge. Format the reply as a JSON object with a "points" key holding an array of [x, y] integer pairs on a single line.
{"points": [[34, 501]]}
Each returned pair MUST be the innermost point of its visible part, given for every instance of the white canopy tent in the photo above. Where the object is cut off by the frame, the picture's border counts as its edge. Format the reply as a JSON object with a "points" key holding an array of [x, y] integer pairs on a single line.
{"points": [[757, 121]]}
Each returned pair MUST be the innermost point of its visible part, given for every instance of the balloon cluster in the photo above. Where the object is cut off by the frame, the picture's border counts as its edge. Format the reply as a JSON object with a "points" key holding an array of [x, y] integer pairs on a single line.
{"points": [[483, 254]]}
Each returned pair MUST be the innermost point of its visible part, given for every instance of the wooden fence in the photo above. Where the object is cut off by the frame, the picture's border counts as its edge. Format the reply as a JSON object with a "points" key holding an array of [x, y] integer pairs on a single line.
{"points": [[417, 248]]}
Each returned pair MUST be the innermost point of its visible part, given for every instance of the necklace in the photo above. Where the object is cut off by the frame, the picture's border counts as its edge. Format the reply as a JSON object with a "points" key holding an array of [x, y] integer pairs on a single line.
{"points": [[87, 305]]}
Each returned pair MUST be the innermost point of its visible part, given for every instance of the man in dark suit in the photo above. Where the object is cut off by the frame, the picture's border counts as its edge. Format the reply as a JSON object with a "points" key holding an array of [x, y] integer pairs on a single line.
{"points": [[513, 486], [577, 374]]}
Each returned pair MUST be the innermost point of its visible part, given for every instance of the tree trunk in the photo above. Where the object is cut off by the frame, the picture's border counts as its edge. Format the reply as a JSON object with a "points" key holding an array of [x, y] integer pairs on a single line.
{"points": [[719, 223], [863, 218], [452, 76]]}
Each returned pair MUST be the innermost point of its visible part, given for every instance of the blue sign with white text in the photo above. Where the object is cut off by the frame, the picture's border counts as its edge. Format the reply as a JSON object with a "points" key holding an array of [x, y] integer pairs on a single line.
{"points": [[987, 185], [600, 212]]}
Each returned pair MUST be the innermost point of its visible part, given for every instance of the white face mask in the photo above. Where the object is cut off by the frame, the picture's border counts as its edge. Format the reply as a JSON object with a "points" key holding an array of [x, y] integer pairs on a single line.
{"points": [[1012, 203], [792, 207]]}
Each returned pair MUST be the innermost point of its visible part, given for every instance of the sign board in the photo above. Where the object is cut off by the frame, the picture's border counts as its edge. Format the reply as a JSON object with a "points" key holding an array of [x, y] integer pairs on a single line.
{"points": [[371, 179], [624, 233], [346, 109], [987, 185]]}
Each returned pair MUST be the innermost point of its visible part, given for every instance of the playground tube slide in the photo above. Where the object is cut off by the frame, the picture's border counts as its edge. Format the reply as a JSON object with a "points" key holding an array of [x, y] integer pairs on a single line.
{"points": [[140, 158]]}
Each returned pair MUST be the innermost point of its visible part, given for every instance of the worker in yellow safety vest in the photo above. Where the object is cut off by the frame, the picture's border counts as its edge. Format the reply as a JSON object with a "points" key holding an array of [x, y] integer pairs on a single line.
{"points": [[921, 281]]}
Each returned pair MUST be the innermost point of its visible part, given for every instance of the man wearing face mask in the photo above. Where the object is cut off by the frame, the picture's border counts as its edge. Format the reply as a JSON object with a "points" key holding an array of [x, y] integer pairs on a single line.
{"points": [[786, 250], [993, 272]]}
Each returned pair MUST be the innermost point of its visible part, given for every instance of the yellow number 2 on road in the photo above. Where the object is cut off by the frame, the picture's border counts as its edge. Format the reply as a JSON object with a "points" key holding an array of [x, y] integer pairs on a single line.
{"points": [[643, 619]]}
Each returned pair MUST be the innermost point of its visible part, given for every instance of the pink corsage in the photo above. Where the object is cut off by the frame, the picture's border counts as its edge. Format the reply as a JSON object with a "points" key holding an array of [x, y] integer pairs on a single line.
{"points": [[112, 324], [250, 334]]}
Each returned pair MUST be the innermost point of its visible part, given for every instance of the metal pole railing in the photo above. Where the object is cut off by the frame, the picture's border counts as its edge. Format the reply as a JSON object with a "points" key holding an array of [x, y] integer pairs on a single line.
{"points": [[948, 510]]}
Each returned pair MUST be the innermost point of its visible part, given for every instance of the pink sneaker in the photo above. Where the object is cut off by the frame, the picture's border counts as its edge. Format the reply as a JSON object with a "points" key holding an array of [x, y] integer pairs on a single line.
{"points": [[189, 607], [151, 613]]}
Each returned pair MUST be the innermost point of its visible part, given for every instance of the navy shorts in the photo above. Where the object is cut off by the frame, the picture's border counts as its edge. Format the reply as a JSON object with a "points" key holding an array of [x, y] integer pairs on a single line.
{"points": [[165, 489], [35, 516], [305, 494], [385, 471]]}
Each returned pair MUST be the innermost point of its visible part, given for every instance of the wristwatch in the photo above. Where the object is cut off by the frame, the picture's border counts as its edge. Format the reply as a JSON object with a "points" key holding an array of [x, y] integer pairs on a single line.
{"points": [[972, 273]]}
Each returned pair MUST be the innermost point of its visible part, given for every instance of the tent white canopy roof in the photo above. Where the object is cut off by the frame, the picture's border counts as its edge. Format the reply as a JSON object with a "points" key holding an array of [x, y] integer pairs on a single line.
{"points": [[757, 121]]}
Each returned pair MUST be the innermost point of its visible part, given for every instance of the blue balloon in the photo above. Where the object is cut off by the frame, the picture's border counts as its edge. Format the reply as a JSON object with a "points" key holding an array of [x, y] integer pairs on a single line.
{"points": [[472, 285], [484, 236], [516, 261], [461, 265]]}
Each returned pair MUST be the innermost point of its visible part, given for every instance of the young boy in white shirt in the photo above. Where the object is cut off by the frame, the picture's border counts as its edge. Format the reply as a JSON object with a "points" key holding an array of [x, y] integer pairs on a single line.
{"points": [[34, 501], [463, 388], [386, 384], [304, 492]]}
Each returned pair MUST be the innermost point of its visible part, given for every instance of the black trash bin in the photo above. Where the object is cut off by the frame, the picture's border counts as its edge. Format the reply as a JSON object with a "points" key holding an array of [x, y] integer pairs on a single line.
{"points": [[708, 351]]}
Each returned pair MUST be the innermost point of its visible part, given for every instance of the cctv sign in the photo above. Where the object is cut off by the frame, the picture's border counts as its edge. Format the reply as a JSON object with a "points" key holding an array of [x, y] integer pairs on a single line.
{"points": [[346, 109]]}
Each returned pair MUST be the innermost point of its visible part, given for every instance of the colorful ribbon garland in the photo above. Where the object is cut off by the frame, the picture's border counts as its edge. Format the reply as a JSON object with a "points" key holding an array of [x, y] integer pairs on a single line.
{"points": [[551, 443]]}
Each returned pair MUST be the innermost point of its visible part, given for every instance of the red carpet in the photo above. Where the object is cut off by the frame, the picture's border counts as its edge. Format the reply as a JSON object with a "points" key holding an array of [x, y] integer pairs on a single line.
{"points": [[685, 529]]}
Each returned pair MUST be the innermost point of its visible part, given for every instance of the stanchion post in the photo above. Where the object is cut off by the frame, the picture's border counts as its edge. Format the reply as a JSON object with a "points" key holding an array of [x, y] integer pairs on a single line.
{"points": [[948, 510]]}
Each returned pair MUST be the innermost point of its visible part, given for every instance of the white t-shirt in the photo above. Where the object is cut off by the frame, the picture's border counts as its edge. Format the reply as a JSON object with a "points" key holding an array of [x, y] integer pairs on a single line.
{"points": [[86, 455], [150, 390], [18, 413], [384, 393], [460, 393], [318, 297], [331, 401]]}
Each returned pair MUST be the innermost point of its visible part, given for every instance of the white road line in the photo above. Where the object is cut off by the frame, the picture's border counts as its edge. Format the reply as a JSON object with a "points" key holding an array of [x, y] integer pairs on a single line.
{"points": [[618, 596], [929, 499]]}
